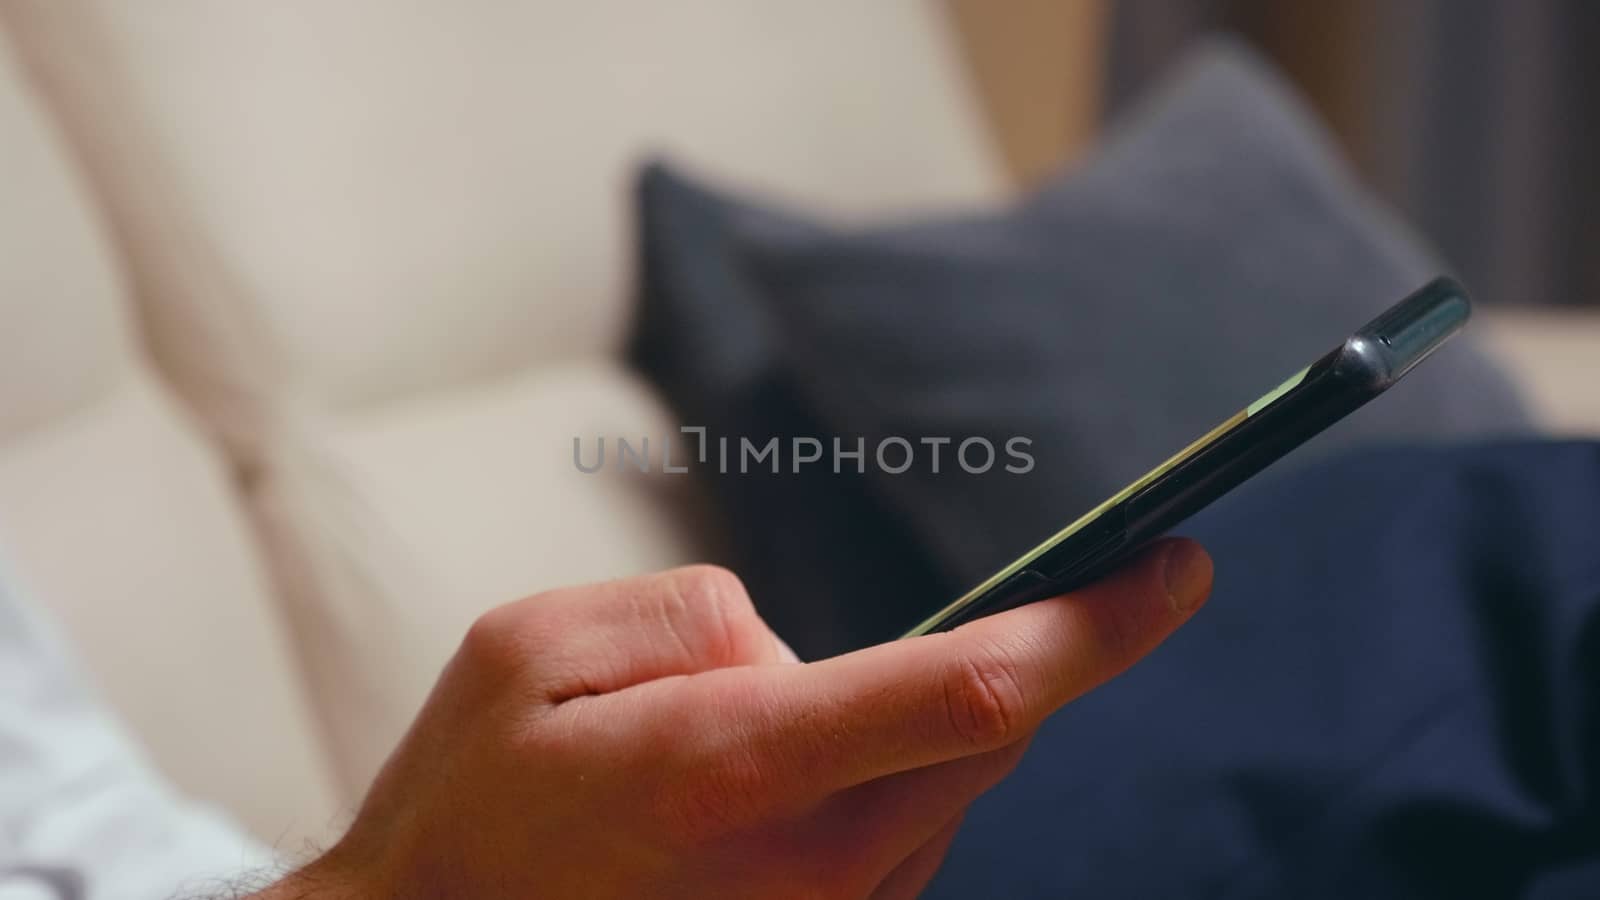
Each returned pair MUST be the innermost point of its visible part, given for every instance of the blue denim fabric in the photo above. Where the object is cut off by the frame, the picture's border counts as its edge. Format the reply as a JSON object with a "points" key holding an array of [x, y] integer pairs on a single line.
{"points": [[1394, 692]]}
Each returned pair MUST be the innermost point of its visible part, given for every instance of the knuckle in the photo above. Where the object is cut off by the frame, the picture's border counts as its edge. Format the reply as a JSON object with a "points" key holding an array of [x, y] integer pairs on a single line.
{"points": [[713, 587], [713, 604], [984, 699], [497, 642]]}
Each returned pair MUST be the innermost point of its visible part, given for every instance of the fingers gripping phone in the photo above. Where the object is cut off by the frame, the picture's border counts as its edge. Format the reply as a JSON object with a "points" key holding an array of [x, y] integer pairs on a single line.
{"points": [[1361, 368]]}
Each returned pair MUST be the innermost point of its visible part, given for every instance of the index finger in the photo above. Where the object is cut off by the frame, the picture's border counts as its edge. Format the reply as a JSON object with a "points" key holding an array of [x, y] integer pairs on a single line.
{"points": [[917, 702]]}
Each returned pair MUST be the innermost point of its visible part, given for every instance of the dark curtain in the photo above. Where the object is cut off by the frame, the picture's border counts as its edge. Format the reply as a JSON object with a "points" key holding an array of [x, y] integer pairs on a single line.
{"points": [[1478, 119]]}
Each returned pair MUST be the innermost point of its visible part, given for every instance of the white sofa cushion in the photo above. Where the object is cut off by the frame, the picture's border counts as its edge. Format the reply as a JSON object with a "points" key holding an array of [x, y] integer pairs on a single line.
{"points": [[1553, 354], [347, 202], [407, 523], [365, 234], [118, 518]]}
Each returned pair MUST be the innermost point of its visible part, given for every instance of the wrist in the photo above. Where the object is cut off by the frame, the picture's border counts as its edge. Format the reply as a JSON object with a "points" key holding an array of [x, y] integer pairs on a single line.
{"points": [[328, 878]]}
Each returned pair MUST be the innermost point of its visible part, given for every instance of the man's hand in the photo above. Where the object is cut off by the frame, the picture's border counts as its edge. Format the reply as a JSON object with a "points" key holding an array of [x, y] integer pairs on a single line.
{"points": [[653, 738]]}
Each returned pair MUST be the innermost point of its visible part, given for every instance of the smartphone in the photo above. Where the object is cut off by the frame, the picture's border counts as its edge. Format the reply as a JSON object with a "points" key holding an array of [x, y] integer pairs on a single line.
{"points": [[1308, 401]]}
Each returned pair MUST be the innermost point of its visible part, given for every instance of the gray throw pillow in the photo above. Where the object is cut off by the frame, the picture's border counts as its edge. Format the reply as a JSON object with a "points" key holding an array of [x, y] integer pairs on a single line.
{"points": [[1211, 246], [824, 559]]}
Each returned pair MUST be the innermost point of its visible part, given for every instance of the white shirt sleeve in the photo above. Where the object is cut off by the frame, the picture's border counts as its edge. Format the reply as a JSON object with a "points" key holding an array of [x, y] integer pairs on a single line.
{"points": [[83, 816]]}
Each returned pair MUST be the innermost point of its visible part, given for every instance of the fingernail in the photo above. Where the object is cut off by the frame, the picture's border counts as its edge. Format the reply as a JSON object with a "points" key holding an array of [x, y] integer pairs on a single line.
{"points": [[1187, 572], [785, 654]]}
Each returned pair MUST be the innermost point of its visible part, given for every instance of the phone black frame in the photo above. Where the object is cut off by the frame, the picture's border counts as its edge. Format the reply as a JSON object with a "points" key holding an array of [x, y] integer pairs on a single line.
{"points": [[1344, 379]]}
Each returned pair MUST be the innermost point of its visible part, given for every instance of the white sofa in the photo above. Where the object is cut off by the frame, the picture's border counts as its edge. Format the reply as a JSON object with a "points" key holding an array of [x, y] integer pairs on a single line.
{"points": [[302, 303]]}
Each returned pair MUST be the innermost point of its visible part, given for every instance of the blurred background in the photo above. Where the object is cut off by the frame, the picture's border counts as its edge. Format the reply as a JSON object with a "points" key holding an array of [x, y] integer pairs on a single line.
{"points": [[1479, 120], [303, 303]]}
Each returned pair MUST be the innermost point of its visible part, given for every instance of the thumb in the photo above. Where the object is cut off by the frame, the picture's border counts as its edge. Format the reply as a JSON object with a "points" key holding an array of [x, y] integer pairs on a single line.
{"points": [[924, 700], [1067, 645]]}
